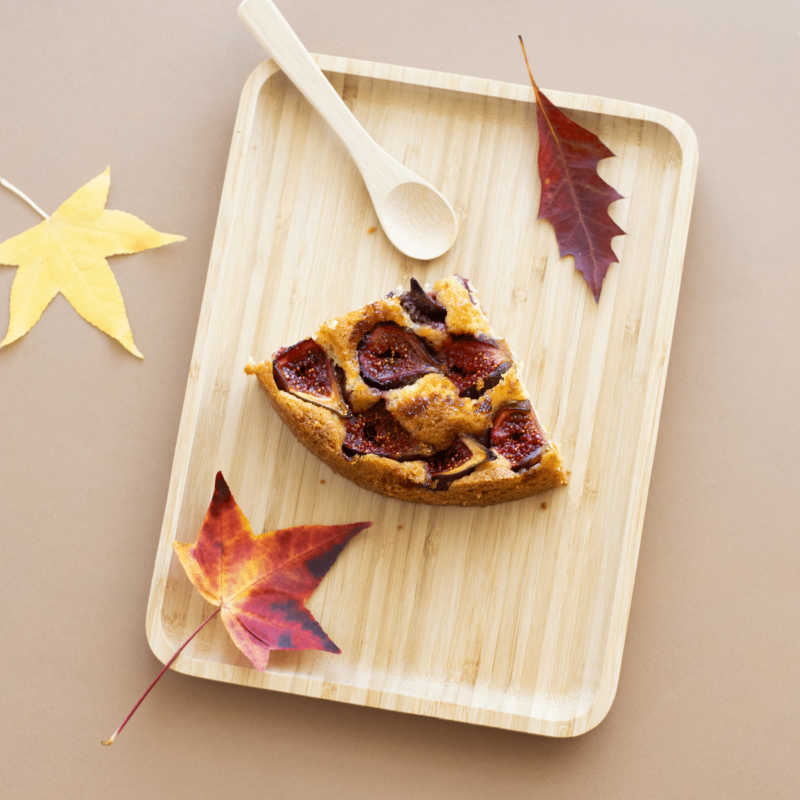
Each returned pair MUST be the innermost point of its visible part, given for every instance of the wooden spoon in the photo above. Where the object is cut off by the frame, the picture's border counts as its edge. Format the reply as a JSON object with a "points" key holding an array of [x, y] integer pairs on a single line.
{"points": [[415, 216]]}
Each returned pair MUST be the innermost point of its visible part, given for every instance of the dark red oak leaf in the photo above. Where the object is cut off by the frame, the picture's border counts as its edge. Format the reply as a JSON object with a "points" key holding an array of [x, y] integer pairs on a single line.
{"points": [[259, 584], [574, 197]]}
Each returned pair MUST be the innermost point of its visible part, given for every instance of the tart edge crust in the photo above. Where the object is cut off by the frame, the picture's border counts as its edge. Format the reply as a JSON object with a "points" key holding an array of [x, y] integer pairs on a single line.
{"points": [[322, 432]]}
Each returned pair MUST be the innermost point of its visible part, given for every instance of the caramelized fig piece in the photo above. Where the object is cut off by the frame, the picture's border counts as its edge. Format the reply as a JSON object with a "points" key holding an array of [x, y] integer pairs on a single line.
{"points": [[390, 357], [422, 308], [376, 431], [457, 461], [305, 371], [466, 284], [517, 436], [474, 366]]}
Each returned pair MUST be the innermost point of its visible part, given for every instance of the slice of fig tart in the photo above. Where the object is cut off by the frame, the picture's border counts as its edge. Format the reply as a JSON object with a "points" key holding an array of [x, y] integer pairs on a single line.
{"points": [[415, 398]]}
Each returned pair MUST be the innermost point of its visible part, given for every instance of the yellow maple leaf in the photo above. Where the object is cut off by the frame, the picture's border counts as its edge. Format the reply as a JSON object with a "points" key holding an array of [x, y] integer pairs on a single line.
{"points": [[67, 253]]}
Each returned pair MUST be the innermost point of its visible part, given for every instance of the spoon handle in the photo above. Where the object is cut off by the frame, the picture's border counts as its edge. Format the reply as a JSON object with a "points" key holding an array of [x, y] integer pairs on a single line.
{"points": [[269, 27]]}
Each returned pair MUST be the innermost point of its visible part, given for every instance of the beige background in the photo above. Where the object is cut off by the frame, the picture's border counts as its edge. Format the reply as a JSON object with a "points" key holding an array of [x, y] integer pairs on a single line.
{"points": [[707, 704]]}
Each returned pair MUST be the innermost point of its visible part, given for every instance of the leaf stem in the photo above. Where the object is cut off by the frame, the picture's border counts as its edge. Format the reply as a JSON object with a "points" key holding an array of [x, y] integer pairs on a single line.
{"points": [[25, 197], [525, 56], [166, 667]]}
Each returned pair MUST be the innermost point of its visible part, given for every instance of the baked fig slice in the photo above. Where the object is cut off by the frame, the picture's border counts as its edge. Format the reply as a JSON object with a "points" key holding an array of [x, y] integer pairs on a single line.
{"points": [[517, 436], [457, 461], [466, 284], [474, 366], [305, 371], [422, 308], [377, 432], [391, 357]]}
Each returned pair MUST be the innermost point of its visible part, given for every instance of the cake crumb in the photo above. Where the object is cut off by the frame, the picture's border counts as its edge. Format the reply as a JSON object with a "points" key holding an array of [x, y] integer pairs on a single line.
{"points": [[399, 527], [544, 505], [322, 481], [371, 229]]}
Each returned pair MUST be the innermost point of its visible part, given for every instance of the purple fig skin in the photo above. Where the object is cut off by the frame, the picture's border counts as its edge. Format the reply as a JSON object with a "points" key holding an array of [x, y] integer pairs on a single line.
{"points": [[465, 282], [304, 370], [518, 437], [474, 366], [422, 308], [375, 431], [391, 357], [461, 458]]}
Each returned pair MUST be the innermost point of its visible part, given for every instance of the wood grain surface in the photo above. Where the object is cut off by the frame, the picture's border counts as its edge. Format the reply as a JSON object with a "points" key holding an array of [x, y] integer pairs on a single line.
{"points": [[512, 616]]}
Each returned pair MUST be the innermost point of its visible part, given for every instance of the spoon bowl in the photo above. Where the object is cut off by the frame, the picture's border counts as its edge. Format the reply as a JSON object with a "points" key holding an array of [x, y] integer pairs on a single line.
{"points": [[418, 220], [414, 215]]}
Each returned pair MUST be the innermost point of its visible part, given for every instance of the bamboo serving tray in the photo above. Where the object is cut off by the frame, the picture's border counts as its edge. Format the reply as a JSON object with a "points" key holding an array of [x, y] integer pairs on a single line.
{"points": [[512, 616]]}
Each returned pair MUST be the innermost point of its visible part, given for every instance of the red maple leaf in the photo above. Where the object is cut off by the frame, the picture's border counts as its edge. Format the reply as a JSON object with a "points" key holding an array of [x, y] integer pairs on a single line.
{"points": [[259, 583], [574, 197]]}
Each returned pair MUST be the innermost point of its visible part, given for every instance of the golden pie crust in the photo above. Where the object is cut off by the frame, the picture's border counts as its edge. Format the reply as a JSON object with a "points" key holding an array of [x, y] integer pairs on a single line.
{"points": [[430, 409]]}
